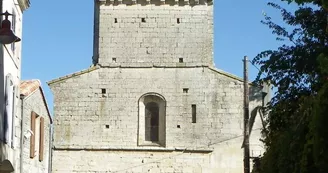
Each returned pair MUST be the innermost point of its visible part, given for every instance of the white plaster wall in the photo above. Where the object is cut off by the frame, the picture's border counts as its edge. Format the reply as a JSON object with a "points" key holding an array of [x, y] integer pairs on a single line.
{"points": [[12, 65]]}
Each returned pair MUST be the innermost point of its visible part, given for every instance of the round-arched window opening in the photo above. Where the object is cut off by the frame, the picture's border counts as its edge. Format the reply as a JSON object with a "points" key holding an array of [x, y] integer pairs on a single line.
{"points": [[152, 118]]}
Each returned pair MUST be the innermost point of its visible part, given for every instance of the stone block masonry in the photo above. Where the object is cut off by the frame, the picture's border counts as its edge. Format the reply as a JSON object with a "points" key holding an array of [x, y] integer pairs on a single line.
{"points": [[153, 101], [154, 35], [34, 165], [98, 112]]}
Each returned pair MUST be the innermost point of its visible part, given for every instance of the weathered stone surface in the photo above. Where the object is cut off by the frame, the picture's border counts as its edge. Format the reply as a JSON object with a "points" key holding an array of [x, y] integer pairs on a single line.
{"points": [[82, 113], [135, 36], [137, 50], [34, 102]]}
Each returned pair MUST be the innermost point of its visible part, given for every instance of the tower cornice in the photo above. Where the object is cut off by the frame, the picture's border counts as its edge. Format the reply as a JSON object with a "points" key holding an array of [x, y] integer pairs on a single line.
{"points": [[156, 2]]}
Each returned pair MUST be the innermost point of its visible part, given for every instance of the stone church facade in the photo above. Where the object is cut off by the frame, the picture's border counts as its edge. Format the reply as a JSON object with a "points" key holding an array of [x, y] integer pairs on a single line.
{"points": [[153, 100]]}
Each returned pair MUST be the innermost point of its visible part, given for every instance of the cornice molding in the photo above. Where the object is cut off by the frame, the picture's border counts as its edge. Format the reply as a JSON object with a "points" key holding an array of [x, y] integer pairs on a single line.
{"points": [[24, 4]]}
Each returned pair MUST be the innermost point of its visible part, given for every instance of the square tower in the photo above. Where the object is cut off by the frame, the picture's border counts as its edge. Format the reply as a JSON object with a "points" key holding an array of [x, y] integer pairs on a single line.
{"points": [[147, 33]]}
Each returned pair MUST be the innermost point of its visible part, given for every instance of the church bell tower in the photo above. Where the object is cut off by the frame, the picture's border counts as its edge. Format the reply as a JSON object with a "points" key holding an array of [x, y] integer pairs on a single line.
{"points": [[161, 33]]}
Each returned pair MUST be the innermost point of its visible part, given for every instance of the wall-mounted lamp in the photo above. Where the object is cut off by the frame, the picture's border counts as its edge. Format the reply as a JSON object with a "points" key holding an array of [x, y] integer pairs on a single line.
{"points": [[28, 134], [7, 36]]}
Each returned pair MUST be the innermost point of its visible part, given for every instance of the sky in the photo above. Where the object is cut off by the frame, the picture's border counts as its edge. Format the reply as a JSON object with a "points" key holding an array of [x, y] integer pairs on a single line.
{"points": [[58, 37]]}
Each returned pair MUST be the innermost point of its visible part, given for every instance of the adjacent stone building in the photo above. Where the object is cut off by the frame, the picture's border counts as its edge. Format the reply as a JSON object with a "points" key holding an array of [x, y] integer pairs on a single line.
{"points": [[35, 157], [152, 101]]}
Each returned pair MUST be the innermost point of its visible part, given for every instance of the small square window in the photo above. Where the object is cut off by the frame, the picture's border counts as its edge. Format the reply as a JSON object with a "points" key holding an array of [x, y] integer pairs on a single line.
{"points": [[103, 91], [114, 59], [185, 90], [180, 60], [143, 20], [107, 126], [178, 126]]}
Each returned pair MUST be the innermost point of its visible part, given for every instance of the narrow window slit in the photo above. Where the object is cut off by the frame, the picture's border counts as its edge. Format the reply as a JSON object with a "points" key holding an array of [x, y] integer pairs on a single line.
{"points": [[178, 20], [115, 20], [193, 112]]}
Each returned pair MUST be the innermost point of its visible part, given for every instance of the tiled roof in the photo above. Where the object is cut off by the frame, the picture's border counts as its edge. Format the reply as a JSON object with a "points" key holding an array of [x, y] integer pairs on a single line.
{"points": [[28, 87]]}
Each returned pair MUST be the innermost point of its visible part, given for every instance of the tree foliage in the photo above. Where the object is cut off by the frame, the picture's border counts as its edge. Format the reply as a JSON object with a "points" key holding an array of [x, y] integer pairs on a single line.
{"points": [[323, 3], [296, 136]]}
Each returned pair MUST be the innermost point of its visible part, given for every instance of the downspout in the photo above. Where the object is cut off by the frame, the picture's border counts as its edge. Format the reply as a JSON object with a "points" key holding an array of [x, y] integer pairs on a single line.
{"points": [[22, 97], [50, 149]]}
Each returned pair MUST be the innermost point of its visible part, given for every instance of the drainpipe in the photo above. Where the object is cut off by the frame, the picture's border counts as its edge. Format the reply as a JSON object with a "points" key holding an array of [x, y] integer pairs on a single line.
{"points": [[22, 97], [50, 149]]}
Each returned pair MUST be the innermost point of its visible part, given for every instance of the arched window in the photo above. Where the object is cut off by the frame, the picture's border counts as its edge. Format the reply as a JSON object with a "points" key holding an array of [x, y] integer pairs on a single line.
{"points": [[151, 131]]}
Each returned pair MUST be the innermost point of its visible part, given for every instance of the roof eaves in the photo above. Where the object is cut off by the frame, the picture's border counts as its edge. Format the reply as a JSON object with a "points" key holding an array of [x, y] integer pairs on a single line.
{"points": [[73, 75], [46, 104], [226, 74], [229, 75], [43, 99]]}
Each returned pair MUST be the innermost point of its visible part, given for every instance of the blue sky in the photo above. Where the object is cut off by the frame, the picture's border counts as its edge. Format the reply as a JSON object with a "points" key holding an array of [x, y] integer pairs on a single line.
{"points": [[58, 37]]}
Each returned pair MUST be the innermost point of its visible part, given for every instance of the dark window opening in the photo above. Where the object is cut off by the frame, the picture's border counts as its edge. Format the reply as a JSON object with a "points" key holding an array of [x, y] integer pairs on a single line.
{"points": [[152, 122], [185, 90], [143, 20], [103, 91], [178, 126], [178, 20], [114, 59], [180, 60], [193, 112], [107, 126], [115, 20]]}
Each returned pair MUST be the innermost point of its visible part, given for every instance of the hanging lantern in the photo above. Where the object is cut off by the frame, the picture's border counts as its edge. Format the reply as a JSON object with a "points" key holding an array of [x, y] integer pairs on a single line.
{"points": [[7, 36]]}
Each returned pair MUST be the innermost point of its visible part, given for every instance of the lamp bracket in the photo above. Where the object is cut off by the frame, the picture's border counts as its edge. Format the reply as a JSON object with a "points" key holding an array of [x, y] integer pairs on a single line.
{"points": [[6, 14]]}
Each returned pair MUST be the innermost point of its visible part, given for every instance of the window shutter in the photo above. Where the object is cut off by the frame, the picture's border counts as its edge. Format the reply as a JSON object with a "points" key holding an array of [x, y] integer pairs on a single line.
{"points": [[8, 109], [32, 139], [13, 117], [41, 146]]}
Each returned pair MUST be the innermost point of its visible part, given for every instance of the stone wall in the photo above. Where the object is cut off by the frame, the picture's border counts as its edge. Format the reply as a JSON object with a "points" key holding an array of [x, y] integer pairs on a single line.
{"points": [[154, 35], [98, 112], [162, 49], [34, 102]]}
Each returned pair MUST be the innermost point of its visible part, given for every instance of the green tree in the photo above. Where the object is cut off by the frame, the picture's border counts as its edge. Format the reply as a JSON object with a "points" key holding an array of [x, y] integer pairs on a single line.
{"points": [[323, 3], [296, 137]]}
